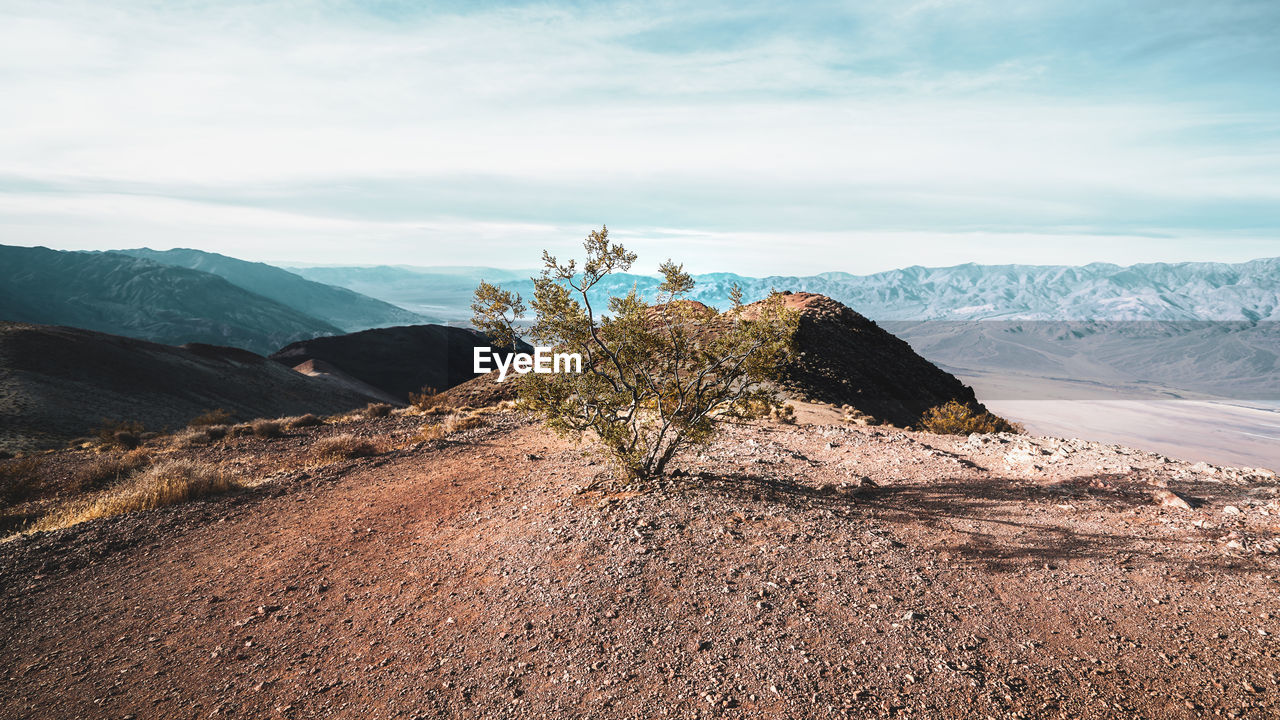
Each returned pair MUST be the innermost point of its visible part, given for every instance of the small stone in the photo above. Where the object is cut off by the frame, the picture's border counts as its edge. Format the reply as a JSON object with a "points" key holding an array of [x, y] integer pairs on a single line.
{"points": [[1170, 499], [1231, 510]]}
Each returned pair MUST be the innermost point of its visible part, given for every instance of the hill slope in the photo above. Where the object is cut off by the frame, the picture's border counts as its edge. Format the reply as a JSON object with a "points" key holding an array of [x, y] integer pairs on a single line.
{"points": [[397, 360], [58, 383], [125, 295], [994, 577], [337, 306]]}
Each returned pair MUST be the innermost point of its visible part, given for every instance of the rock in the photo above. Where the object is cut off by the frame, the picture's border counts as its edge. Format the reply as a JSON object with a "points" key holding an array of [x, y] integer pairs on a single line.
{"points": [[1170, 499], [1231, 510]]}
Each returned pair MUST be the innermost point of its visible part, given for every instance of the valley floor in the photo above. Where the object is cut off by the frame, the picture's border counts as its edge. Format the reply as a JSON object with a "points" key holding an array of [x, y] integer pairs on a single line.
{"points": [[808, 572]]}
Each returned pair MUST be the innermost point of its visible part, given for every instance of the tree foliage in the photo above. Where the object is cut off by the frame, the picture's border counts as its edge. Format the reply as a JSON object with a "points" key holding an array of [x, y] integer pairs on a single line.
{"points": [[656, 377]]}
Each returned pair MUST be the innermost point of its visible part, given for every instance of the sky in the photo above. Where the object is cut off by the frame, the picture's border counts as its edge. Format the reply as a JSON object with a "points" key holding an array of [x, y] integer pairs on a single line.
{"points": [[759, 138]]}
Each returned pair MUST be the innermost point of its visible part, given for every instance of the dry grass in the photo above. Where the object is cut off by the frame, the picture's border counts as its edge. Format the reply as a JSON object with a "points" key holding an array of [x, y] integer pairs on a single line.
{"points": [[376, 410], [267, 428], [425, 399], [955, 418], [19, 479], [109, 469], [162, 484], [211, 417], [120, 434], [342, 447], [459, 422], [200, 436], [302, 421], [428, 433]]}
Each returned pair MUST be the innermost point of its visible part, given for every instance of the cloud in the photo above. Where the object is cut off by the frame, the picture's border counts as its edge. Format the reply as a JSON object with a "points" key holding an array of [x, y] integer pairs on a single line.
{"points": [[960, 120]]}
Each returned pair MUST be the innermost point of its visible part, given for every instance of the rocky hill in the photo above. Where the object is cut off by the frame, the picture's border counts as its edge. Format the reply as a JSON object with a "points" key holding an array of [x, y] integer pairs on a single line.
{"points": [[125, 295], [841, 358], [59, 383]]}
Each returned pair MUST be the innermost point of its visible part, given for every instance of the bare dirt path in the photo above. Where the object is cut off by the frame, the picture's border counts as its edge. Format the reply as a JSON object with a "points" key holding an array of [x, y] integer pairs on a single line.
{"points": [[794, 572]]}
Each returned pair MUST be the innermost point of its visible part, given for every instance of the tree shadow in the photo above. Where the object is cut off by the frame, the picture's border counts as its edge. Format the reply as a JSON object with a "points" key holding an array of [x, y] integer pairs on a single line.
{"points": [[1009, 524]]}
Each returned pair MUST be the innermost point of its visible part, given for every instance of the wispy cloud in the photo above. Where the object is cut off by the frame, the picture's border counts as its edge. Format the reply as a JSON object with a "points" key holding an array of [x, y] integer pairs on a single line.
{"points": [[994, 127]]}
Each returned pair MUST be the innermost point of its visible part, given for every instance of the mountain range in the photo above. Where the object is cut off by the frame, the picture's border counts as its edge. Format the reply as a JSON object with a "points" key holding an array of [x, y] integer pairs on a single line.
{"points": [[1194, 291], [1168, 328], [181, 296]]}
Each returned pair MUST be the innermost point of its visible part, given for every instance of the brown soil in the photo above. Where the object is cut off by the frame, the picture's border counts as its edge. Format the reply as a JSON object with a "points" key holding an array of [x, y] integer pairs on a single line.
{"points": [[789, 571]]}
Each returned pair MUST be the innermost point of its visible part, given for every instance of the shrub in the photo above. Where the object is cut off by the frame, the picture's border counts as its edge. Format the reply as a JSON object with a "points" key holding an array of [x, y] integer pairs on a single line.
{"points": [[120, 433], [162, 484], [197, 437], [957, 418], [784, 414], [303, 421], [211, 417], [109, 469], [459, 422], [376, 410], [428, 433], [655, 378], [425, 399], [19, 479], [342, 447], [267, 428], [241, 430]]}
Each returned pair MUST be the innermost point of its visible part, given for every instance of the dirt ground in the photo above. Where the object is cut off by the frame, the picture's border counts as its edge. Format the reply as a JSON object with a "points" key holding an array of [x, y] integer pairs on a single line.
{"points": [[811, 571]]}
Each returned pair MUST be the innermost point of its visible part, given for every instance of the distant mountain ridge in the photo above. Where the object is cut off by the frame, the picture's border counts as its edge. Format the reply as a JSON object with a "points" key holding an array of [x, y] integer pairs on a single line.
{"points": [[181, 296], [126, 295], [339, 306], [1248, 291]]}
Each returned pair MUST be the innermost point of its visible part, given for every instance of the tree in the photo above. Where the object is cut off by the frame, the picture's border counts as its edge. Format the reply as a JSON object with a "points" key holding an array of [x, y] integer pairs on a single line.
{"points": [[656, 377]]}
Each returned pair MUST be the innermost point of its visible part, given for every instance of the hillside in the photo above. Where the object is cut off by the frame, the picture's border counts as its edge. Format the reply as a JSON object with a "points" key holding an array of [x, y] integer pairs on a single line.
{"points": [[397, 361], [812, 571], [337, 306], [125, 295], [58, 383]]}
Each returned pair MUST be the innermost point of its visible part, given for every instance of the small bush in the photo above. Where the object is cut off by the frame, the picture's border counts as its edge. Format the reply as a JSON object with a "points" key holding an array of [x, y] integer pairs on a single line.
{"points": [[342, 447], [19, 479], [109, 469], [267, 428], [425, 399], [211, 417], [956, 418], [303, 421], [459, 422], [428, 433], [162, 484], [376, 410], [241, 430], [784, 414], [120, 433], [198, 437]]}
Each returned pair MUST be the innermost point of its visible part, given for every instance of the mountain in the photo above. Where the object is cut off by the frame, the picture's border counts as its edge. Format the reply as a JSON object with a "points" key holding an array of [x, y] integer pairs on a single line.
{"points": [[1207, 328], [125, 295], [845, 359], [1248, 292], [338, 306], [396, 361], [58, 383]]}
